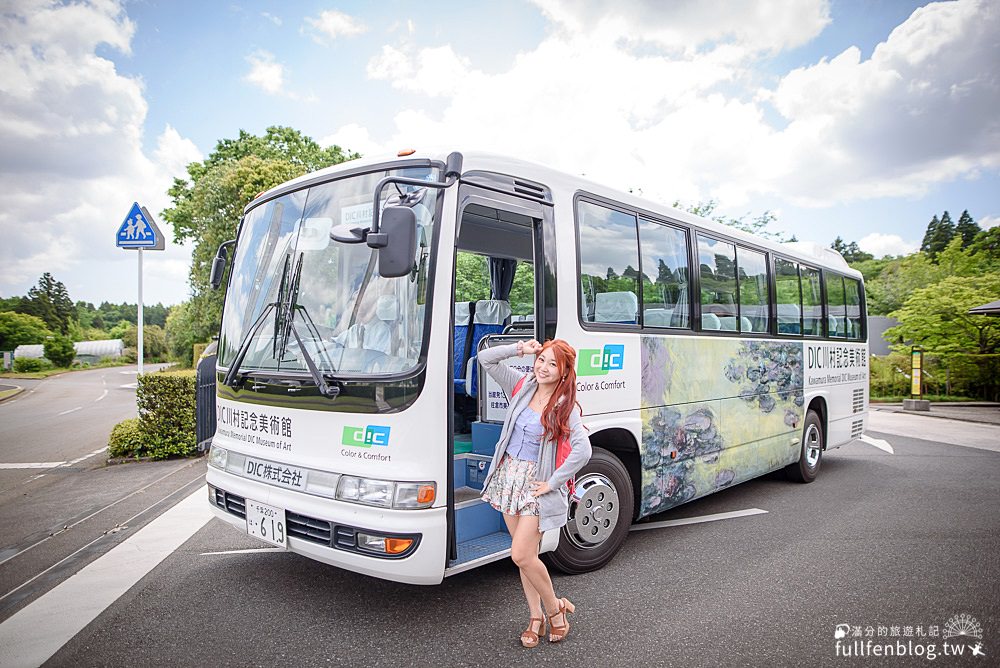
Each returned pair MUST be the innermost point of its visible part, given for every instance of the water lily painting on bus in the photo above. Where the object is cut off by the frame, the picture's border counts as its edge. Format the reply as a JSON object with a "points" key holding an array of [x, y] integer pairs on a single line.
{"points": [[717, 418]]}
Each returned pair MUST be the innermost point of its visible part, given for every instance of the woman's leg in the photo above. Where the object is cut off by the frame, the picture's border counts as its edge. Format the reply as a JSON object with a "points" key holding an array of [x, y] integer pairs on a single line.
{"points": [[524, 552], [530, 594]]}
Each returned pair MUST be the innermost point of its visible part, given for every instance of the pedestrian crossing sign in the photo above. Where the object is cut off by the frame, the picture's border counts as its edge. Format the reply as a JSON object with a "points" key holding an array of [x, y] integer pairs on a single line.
{"points": [[139, 230]]}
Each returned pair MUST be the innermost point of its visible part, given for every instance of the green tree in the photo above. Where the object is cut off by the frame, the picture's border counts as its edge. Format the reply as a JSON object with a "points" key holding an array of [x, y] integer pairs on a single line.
{"points": [[937, 317], [753, 224], [851, 252], [897, 280], [17, 329], [930, 234], [207, 205], [154, 341], [184, 329], [49, 300], [59, 350], [987, 244], [967, 229]]}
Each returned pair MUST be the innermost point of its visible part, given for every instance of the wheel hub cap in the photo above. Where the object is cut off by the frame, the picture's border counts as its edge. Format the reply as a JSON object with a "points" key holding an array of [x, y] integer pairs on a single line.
{"points": [[594, 516]]}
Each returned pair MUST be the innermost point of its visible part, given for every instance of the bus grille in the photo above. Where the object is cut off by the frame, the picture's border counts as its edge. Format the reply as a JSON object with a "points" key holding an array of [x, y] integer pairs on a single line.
{"points": [[235, 505], [308, 528], [859, 400], [856, 428]]}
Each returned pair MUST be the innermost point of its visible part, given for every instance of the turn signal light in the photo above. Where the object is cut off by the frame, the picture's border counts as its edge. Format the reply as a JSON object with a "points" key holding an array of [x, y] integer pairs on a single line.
{"points": [[406, 151], [426, 494], [397, 545]]}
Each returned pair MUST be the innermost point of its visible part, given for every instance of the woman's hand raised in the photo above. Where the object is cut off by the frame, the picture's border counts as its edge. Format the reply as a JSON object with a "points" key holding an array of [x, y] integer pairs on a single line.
{"points": [[531, 347]]}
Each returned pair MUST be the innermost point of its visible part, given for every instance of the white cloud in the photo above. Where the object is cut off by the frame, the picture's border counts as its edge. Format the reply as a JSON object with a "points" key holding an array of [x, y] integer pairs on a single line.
{"points": [[265, 72], [356, 138], [686, 25], [881, 245], [333, 24], [276, 20], [986, 222], [73, 163], [659, 96]]}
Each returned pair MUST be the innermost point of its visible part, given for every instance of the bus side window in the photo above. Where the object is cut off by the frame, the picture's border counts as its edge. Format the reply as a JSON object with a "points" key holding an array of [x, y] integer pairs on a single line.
{"points": [[852, 288], [718, 284], [812, 302], [835, 303], [752, 267], [786, 279], [609, 261], [664, 275]]}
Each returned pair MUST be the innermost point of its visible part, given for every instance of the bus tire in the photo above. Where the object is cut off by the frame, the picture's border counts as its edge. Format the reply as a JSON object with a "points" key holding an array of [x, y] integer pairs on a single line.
{"points": [[810, 451], [599, 516]]}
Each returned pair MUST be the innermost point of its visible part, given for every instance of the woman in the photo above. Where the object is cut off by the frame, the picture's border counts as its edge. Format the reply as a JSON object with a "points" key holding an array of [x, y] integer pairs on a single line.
{"points": [[524, 482]]}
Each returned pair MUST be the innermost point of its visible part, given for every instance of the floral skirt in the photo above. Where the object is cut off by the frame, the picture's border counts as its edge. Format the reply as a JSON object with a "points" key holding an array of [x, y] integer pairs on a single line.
{"points": [[509, 490]]}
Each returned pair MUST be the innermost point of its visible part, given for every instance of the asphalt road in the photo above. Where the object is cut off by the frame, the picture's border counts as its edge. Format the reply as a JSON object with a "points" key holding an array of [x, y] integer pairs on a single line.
{"points": [[901, 541]]}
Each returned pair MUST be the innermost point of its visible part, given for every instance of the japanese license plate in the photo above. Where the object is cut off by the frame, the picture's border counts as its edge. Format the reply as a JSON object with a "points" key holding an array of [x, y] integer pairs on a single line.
{"points": [[266, 522]]}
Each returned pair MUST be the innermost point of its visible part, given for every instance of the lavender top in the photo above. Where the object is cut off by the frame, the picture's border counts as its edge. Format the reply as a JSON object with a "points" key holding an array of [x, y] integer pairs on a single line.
{"points": [[526, 436]]}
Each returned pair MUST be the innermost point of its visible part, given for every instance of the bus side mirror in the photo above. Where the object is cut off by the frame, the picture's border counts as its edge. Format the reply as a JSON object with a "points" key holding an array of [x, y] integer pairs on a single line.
{"points": [[219, 264], [397, 241]]}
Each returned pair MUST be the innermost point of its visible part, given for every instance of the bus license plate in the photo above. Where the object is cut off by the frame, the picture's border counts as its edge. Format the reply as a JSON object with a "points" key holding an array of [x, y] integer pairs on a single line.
{"points": [[266, 522]]}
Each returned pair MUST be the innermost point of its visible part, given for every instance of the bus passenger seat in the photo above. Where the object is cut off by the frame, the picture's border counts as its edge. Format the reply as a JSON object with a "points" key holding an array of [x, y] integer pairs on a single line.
{"points": [[620, 307], [710, 321], [462, 333], [657, 317], [745, 323], [727, 323], [490, 317]]}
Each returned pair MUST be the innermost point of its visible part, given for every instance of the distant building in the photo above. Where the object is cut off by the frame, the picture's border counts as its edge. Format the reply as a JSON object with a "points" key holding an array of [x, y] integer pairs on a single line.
{"points": [[877, 324], [86, 351]]}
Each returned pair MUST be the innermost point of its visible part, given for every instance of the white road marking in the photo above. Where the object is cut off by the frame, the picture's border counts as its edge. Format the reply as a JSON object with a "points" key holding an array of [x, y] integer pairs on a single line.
{"points": [[49, 465], [130, 386], [72, 410], [101, 397], [36, 632], [877, 442], [31, 465], [697, 520], [252, 550]]}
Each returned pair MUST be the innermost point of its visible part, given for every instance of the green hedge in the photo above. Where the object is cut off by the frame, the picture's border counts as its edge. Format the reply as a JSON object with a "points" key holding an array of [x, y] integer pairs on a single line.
{"points": [[166, 423], [30, 364]]}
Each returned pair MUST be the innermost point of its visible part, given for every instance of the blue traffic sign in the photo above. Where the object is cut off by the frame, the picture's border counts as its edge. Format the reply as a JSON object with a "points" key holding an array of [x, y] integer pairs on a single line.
{"points": [[138, 230]]}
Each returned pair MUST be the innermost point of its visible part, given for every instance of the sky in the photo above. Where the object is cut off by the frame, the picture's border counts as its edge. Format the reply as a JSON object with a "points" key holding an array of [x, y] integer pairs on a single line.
{"points": [[857, 119]]}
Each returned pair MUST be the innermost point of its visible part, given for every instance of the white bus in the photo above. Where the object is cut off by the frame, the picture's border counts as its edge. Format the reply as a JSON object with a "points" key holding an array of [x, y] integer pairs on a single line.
{"points": [[354, 426]]}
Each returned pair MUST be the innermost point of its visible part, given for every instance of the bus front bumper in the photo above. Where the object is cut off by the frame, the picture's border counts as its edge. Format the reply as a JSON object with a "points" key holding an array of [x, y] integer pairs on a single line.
{"points": [[423, 565]]}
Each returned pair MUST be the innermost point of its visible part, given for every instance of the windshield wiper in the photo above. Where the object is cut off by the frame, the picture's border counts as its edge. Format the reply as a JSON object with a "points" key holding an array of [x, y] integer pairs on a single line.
{"points": [[325, 388], [234, 366]]}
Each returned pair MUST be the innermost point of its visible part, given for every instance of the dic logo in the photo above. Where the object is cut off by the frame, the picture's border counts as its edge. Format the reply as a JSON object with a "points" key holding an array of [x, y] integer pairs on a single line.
{"points": [[599, 362], [365, 437]]}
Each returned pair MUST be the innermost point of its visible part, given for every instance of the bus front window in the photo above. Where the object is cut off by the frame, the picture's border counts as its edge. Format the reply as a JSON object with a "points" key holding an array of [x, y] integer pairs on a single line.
{"points": [[300, 301]]}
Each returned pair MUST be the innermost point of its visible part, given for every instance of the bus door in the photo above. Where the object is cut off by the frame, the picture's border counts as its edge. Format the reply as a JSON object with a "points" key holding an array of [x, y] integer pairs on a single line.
{"points": [[500, 247]]}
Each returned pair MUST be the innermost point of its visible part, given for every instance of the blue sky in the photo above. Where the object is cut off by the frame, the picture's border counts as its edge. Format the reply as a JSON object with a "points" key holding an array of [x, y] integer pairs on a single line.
{"points": [[857, 119]]}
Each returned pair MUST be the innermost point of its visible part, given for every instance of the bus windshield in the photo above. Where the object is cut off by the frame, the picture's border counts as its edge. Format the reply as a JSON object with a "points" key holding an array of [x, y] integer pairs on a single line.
{"points": [[299, 301]]}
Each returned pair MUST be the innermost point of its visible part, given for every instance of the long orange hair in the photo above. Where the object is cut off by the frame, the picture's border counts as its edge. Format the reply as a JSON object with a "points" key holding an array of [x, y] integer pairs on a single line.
{"points": [[555, 418]]}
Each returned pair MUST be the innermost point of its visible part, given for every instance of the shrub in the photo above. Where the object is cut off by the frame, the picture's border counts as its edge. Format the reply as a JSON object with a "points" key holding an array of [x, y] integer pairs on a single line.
{"points": [[30, 365], [126, 439], [59, 350], [167, 414]]}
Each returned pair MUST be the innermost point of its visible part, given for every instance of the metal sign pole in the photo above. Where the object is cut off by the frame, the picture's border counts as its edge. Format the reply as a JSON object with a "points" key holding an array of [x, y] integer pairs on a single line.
{"points": [[139, 341]]}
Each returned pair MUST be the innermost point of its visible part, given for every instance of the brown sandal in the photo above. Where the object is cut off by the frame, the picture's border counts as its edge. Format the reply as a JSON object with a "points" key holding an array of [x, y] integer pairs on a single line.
{"points": [[557, 633], [529, 638]]}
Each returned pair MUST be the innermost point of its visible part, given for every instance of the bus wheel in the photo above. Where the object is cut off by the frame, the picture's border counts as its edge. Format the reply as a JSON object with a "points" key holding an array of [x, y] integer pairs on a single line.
{"points": [[599, 516], [810, 452]]}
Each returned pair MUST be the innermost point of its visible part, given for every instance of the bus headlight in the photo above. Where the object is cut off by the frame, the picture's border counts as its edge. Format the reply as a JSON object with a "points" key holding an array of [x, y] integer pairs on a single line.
{"points": [[365, 490], [217, 457], [386, 493]]}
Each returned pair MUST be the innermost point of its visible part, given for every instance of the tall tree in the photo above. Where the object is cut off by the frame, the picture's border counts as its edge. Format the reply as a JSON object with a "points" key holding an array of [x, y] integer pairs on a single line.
{"points": [[49, 300], [930, 234], [18, 329], [207, 204], [967, 229]]}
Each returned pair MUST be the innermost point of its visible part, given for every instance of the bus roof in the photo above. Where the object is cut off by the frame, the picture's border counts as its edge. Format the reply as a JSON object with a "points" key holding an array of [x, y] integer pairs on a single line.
{"points": [[558, 181]]}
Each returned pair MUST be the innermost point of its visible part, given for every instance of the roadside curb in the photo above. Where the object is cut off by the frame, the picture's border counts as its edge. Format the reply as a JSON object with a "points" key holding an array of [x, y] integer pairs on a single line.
{"points": [[4, 397], [932, 414]]}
